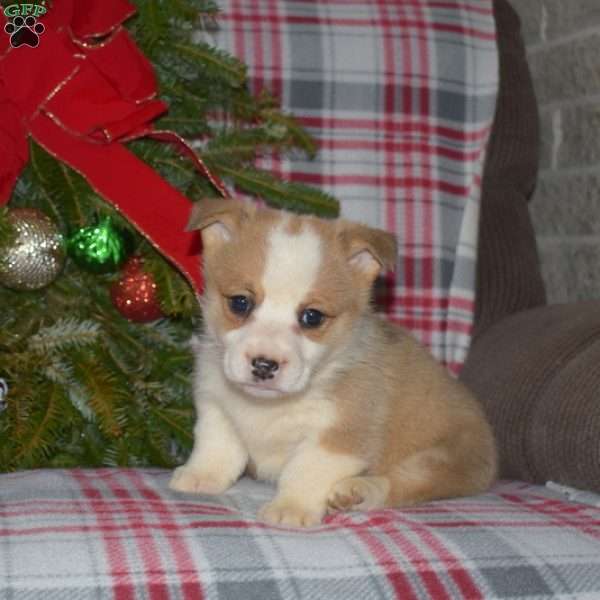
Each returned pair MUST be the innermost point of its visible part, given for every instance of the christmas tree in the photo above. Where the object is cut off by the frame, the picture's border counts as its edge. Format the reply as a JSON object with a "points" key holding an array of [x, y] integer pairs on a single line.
{"points": [[87, 386]]}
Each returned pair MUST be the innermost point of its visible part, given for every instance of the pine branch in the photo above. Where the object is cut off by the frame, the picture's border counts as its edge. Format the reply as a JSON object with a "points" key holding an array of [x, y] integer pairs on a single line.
{"points": [[58, 371], [62, 191], [241, 147], [17, 325], [293, 196], [174, 293], [156, 25], [129, 352], [65, 333], [48, 204], [183, 10], [34, 442], [78, 396], [295, 134], [8, 233], [105, 396], [77, 189], [177, 422], [16, 418], [212, 61], [164, 334]]}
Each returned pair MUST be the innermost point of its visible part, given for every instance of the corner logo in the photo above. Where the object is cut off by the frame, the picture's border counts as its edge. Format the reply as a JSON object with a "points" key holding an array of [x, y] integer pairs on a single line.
{"points": [[24, 28]]}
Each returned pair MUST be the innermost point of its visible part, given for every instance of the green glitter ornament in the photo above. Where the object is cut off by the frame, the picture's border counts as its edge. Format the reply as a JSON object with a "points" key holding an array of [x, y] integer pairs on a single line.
{"points": [[99, 248]]}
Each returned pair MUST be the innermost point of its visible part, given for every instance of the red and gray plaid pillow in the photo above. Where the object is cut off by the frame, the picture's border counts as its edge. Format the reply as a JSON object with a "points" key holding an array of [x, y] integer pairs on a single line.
{"points": [[400, 97]]}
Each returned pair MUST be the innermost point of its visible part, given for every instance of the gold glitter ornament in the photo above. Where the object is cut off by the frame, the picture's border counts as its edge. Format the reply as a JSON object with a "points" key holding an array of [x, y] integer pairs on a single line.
{"points": [[37, 255]]}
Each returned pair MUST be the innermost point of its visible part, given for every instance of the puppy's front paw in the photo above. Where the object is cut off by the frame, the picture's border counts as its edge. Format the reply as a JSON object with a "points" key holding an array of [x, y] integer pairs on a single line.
{"points": [[188, 479], [290, 514]]}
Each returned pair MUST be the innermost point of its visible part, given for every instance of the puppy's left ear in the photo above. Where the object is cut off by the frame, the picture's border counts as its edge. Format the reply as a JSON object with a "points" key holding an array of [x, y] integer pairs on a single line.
{"points": [[218, 219], [369, 250]]}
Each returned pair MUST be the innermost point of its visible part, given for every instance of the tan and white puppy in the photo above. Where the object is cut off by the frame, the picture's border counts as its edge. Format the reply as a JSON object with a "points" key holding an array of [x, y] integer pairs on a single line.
{"points": [[300, 383]]}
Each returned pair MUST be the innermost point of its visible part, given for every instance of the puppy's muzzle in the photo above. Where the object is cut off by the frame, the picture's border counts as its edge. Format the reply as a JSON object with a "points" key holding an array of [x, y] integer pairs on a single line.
{"points": [[264, 368]]}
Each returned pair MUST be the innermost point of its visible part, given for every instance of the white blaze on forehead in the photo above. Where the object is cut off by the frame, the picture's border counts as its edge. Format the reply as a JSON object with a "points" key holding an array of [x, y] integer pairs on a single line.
{"points": [[292, 265]]}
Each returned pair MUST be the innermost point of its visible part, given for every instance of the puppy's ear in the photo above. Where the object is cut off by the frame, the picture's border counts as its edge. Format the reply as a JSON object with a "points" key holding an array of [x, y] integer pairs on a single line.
{"points": [[218, 219], [368, 250]]}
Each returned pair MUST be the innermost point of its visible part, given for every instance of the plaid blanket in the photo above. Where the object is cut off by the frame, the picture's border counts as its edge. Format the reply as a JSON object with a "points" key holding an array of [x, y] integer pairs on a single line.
{"points": [[122, 534], [400, 97]]}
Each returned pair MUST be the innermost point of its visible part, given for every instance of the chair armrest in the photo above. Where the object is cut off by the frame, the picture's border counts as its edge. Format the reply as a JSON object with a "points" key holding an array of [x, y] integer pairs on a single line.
{"points": [[508, 271], [537, 374]]}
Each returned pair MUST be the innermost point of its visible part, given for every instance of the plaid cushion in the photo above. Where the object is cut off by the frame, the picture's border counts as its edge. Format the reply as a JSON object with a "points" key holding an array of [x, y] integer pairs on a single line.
{"points": [[400, 98], [123, 534]]}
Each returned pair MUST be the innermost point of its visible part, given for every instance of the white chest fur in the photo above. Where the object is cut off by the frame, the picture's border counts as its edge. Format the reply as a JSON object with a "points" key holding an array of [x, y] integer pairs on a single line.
{"points": [[271, 430]]}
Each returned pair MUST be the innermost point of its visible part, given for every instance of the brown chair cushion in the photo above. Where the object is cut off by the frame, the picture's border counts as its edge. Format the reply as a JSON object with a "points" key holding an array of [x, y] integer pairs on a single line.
{"points": [[537, 374]]}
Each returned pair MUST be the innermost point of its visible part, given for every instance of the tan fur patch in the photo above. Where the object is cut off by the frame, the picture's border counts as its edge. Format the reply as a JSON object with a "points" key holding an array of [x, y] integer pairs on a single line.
{"points": [[414, 424]]}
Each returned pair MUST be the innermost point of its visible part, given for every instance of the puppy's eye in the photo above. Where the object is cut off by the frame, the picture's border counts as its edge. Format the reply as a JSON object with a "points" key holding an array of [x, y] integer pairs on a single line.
{"points": [[311, 318], [240, 305]]}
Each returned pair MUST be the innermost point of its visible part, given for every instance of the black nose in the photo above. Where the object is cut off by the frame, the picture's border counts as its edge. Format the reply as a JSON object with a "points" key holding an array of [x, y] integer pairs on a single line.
{"points": [[264, 367]]}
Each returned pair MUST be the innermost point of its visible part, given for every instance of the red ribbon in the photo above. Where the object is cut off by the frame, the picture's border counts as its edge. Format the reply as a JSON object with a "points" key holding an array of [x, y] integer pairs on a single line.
{"points": [[80, 100]]}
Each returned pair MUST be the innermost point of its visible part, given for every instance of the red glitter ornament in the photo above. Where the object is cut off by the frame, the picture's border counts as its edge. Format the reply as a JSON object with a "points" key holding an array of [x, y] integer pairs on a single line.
{"points": [[134, 295]]}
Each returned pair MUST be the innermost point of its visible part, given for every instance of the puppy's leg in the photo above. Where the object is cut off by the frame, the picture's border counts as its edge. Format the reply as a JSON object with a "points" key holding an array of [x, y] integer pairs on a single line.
{"points": [[438, 473], [304, 485], [359, 493], [427, 475], [218, 457]]}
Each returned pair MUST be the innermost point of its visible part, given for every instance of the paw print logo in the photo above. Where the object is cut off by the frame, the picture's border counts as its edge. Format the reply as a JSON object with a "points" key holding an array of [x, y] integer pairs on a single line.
{"points": [[24, 31]]}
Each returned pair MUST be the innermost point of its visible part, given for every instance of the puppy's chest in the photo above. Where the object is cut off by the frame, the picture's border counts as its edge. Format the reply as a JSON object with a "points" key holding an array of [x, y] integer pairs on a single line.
{"points": [[272, 433]]}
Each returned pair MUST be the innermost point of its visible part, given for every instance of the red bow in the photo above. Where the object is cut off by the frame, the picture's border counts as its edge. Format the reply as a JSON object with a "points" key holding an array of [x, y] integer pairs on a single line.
{"points": [[80, 100]]}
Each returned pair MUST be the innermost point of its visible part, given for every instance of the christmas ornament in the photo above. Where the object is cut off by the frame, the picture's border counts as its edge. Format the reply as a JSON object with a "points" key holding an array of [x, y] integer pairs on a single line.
{"points": [[85, 120], [36, 256], [3, 395], [135, 295], [99, 248]]}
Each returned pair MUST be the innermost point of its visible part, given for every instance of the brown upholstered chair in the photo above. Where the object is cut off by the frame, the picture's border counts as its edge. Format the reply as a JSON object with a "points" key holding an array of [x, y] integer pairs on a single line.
{"points": [[536, 368]]}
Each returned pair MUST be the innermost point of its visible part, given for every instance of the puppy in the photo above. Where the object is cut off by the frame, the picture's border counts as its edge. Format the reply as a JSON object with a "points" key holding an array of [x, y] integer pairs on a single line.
{"points": [[298, 381]]}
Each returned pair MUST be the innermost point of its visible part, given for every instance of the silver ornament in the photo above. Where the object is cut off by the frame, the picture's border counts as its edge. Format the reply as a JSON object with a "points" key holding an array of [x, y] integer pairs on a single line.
{"points": [[36, 256]]}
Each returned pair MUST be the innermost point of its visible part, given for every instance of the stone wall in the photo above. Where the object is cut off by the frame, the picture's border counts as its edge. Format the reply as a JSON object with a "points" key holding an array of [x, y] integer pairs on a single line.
{"points": [[563, 45]]}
